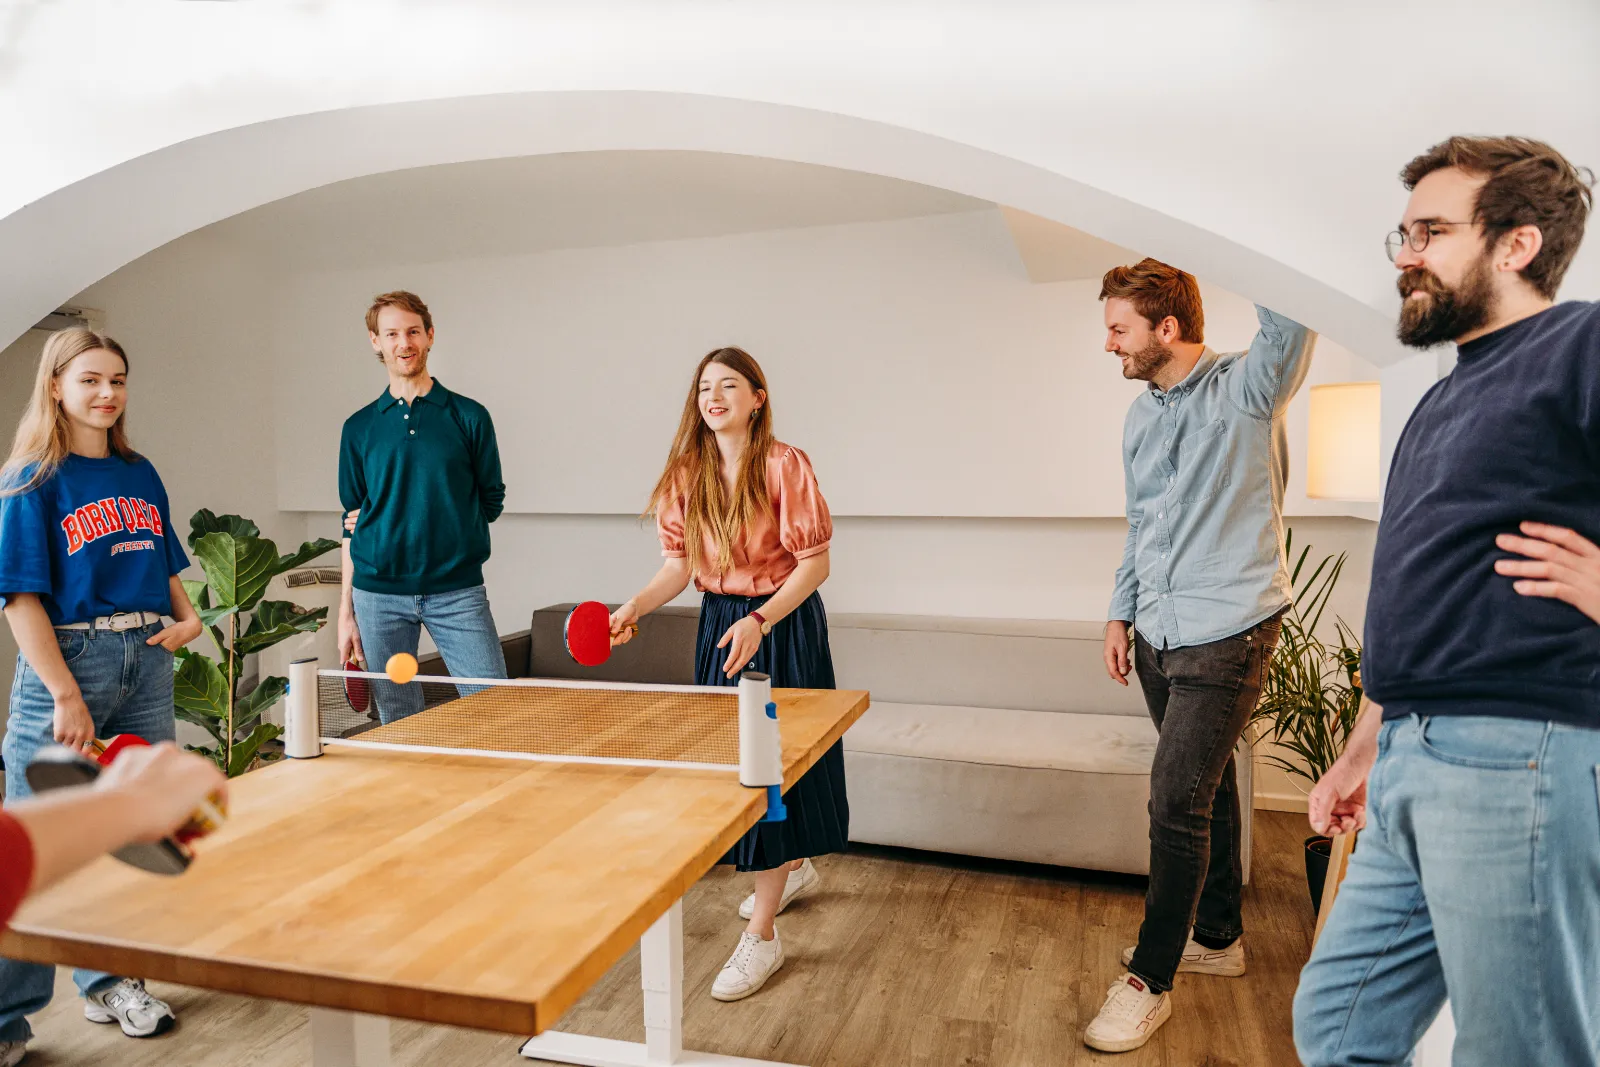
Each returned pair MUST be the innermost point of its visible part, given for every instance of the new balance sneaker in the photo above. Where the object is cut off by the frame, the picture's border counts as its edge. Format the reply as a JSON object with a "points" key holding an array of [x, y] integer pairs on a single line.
{"points": [[129, 1005], [1197, 959], [1129, 1016], [803, 881], [748, 969], [11, 1052]]}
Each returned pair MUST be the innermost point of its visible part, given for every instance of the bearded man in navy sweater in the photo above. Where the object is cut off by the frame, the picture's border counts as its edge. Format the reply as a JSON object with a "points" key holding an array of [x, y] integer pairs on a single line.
{"points": [[1473, 767]]}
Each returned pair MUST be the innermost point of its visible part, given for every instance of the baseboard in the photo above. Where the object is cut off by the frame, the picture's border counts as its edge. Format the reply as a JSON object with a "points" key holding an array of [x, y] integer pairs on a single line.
{"points": [[1281, 802]]}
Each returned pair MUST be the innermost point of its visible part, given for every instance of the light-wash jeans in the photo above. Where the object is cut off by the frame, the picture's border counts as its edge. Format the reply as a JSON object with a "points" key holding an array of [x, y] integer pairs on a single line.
{"points": [[1477, 879], [459, 622], [127, 685]]}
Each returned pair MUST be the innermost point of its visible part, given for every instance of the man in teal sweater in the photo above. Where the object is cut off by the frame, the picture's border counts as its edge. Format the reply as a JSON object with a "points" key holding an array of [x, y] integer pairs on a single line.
{"points": [[419, 476]]}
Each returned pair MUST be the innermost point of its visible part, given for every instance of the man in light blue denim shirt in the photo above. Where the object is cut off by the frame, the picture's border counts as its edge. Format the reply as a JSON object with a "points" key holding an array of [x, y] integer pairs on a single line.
{"points": [[1200, 592]]}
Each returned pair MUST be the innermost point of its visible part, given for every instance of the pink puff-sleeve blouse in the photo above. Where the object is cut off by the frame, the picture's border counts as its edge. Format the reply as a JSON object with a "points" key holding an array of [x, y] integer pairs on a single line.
{"points": [[798, 526]]}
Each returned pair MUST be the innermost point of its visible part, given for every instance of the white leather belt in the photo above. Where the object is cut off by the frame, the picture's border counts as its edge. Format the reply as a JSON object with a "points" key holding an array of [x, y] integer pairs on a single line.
{"points": [[122, 620]]}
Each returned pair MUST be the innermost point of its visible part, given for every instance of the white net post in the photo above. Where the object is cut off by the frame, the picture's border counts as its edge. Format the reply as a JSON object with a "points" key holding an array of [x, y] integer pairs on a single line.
{"points": [[760, 744], [301, 729]]}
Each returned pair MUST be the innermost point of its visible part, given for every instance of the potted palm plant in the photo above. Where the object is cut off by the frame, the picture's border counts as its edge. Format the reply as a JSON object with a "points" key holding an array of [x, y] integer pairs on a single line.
{"points": [[1311, 696]]}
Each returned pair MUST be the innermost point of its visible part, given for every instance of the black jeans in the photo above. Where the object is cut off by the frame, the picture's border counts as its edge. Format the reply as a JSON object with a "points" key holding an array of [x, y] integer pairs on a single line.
{"points": [[1201, 698]]}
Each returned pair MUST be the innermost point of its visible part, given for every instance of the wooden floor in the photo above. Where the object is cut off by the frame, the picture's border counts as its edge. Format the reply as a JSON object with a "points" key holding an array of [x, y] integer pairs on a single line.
{"points": [[904, 958]]}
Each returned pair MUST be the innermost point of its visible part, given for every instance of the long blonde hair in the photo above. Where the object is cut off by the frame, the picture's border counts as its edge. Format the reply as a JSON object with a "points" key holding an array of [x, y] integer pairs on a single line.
{"points": [[44, 439], [694, 468]]}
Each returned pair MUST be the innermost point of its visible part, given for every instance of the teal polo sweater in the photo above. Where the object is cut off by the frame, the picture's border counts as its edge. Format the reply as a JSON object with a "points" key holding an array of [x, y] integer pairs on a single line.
{"points": [[426, 476]]}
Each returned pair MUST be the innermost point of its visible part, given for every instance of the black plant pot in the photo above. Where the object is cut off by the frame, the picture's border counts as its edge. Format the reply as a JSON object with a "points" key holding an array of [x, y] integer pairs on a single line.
{"points": [[1318, 849]]}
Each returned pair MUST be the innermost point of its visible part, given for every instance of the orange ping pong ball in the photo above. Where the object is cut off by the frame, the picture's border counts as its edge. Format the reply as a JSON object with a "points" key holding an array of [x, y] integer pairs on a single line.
{"points": [[401, 668]]}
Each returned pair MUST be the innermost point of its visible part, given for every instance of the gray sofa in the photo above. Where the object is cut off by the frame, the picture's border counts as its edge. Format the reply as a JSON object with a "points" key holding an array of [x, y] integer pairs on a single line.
{"points": [[986, 737]]}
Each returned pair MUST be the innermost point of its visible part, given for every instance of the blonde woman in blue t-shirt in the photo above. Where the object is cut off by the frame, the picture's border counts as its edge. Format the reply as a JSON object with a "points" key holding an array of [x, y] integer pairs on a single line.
{"points": [[88, 568]]}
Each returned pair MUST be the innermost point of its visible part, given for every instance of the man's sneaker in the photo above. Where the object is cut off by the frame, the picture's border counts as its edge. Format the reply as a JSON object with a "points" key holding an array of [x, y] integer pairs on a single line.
{"points": [[1129, 1016], [748, 969], [127, 1004], [802, 883], [1197, 959], [11, 1052]]}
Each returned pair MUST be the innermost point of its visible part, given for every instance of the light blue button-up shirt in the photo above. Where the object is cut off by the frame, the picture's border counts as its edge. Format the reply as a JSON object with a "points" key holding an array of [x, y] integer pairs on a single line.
{"points": [[1206, 462]]}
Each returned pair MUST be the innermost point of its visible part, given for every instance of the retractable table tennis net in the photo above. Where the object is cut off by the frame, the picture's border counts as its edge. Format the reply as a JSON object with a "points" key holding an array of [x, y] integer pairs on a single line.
{"points": [[708, 728]]}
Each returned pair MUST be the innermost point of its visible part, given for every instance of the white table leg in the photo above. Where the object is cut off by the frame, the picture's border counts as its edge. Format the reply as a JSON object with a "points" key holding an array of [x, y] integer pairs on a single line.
{"points": [[345, 1039], [661, 975]]}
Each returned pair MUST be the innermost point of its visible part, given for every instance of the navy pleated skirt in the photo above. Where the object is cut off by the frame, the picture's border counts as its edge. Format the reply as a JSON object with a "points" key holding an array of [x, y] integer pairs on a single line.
{"points": [[796, 656]]}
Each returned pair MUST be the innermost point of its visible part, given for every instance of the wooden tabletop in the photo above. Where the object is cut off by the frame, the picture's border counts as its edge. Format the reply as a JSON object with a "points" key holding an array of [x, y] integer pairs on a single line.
{"points": [[467, 891]]}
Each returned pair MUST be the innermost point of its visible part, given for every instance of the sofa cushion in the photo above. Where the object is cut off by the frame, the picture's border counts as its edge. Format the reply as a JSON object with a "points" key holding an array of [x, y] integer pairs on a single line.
{"points": [[1027, 664], [1096, 744]]}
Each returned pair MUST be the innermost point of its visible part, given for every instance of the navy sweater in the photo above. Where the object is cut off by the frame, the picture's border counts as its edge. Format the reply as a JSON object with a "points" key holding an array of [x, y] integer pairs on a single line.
{"points": [[1512, 434]]}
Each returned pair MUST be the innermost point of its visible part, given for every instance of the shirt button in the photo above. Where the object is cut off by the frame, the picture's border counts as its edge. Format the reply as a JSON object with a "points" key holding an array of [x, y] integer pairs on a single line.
{"points": [[405, 416], [413, 433], [1159, 514]]}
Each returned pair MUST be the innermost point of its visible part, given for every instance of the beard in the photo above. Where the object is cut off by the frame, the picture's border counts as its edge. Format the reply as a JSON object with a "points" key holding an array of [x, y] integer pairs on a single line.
{"points": [[1145, 364], [417, 367], [1445, 313]]}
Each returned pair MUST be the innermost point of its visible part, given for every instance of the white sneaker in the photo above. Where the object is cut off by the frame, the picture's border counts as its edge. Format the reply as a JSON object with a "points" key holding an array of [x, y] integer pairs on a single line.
{"points": [[11, 1052], [802, 883], [748, 969], [127, 1003], [1197, 959], [1129, 1016]]}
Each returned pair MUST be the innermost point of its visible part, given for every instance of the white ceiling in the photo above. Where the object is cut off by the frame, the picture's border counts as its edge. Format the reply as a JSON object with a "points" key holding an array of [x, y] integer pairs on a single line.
{"points": [[593, 199]]}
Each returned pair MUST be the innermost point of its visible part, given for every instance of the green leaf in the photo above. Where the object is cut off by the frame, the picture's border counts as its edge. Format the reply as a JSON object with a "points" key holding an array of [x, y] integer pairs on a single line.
{"points": [[204, 522], [198, 687], [237, 568], [214, 727], [212, 754], [199, 593], [275, 620], [307, 552], [244, 752], [248, 708], [212, 616]]}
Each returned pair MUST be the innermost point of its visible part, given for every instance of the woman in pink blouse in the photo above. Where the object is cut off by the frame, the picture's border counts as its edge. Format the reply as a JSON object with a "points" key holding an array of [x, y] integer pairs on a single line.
{"points": [[740, 514]]}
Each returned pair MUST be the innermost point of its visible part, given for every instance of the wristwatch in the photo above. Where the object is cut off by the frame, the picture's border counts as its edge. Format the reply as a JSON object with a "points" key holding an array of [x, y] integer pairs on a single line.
{"points": [[766, 627]]}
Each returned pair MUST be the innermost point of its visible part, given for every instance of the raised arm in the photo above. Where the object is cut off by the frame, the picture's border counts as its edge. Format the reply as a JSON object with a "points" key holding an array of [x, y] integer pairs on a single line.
{"points": [[1271, 372]]}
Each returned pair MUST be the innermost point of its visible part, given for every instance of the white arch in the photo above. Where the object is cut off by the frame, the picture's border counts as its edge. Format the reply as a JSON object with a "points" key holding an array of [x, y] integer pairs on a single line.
{"points": [[61, 243]]}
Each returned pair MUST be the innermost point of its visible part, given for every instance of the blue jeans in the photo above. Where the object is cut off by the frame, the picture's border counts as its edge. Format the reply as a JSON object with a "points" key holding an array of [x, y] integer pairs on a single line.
{"points": [[127, 685], [1477, 879], [459, 622]]}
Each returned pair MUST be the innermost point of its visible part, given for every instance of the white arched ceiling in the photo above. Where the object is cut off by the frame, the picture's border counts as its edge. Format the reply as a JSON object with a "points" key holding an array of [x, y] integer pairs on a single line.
{"points": [[1253, 143]]}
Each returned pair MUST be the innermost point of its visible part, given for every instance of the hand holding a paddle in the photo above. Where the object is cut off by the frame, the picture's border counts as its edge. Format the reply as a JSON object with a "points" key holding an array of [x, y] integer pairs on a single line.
{"points": [[624, 623], [162, 787]]}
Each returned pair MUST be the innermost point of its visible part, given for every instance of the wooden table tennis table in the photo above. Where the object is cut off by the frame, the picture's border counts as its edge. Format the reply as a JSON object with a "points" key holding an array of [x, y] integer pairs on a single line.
{"points": [[462, 890]]}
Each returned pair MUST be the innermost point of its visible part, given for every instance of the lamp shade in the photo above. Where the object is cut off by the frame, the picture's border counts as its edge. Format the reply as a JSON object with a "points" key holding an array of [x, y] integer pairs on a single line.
{"points": [[1342, 460]]}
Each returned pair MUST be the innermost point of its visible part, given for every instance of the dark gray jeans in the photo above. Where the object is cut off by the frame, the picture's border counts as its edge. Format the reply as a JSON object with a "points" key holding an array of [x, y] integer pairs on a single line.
{"points": [[1201, 698]]}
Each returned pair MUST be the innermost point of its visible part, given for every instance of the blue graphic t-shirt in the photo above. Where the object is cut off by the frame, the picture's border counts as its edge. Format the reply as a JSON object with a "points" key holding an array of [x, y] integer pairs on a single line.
{"points": [[94, 539]]}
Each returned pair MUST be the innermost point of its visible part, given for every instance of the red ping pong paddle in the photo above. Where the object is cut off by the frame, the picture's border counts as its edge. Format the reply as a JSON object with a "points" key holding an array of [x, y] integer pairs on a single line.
{"points": [[57, 767], [588, 633], [356, 690]]}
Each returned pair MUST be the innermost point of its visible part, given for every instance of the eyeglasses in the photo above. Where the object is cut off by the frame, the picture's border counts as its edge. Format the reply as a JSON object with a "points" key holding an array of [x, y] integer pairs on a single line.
{"points": [[1420, 233]]}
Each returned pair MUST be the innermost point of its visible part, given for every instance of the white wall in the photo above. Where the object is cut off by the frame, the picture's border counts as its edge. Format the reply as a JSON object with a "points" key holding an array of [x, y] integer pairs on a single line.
{"points": [[913, 360]]}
